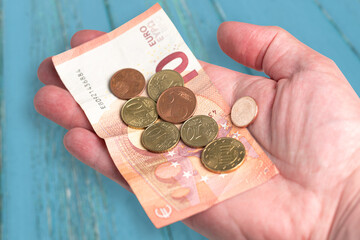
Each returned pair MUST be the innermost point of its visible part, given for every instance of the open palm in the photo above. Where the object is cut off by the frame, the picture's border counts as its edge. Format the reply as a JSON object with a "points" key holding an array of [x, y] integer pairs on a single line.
{"points": [[308, 125]]}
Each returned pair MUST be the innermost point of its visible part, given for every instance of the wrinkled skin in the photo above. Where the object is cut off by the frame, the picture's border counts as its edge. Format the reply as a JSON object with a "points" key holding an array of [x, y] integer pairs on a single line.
{"points": [[308, 124]]}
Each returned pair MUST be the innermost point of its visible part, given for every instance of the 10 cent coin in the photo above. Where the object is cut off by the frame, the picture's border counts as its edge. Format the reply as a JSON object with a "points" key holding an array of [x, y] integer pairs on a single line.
{"points": [[139, 112], [160, 137], [161, 81]]}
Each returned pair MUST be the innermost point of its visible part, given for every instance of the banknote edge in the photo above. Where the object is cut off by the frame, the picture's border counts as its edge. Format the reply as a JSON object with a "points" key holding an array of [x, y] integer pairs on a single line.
{"points": [[92, 44]]}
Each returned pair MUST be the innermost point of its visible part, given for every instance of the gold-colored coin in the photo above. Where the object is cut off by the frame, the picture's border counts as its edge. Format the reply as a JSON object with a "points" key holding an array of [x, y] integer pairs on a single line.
{"points": [[161, 81], [160, 137], [199, 130], [139, 112], [223, 155]]}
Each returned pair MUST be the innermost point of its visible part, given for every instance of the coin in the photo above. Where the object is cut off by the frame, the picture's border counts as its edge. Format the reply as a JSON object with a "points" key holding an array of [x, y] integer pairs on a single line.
{"points": [[161, 81], [127, 83], [198, 131], [244, 112], [176, 104], [139, 112], [223, 155], [160, 137]]}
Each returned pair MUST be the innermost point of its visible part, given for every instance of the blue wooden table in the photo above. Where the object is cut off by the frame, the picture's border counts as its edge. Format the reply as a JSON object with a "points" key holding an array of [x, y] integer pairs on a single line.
{"points": [[47, 194]]}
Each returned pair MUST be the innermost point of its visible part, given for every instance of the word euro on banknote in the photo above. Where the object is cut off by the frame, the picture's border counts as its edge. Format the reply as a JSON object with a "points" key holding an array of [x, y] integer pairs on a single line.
{"points": [[173, 185]]}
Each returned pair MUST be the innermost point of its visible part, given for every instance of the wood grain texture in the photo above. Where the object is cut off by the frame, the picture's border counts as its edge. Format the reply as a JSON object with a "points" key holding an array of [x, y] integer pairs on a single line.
{"points": [[312, 23], [47, 194]]}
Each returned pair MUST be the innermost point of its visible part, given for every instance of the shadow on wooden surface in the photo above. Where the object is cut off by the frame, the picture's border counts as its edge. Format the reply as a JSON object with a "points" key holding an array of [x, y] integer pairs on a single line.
{"points": [[46, 193]]}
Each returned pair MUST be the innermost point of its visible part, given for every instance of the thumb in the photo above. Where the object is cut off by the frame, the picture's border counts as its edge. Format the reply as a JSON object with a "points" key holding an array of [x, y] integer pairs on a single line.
{"points": [[270, 49]]}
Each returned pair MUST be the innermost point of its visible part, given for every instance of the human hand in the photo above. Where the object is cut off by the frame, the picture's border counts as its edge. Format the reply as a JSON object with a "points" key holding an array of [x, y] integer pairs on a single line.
{"points": [[307, 123]]}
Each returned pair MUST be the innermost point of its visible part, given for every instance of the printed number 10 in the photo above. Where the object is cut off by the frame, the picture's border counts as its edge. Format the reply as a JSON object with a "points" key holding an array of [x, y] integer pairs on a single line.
{"points": [[182, 66]]}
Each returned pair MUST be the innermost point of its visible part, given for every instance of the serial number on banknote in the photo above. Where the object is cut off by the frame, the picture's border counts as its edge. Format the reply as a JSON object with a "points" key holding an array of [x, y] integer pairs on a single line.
{"points": [[89, 89]]}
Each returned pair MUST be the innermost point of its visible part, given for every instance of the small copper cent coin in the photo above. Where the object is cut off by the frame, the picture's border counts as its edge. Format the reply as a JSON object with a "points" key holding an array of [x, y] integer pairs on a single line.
{"points": [[139, 112], [127, 83], [160, 137], [223, 155], [244, 111], [161, 81], [199, 130], [176, 104]]}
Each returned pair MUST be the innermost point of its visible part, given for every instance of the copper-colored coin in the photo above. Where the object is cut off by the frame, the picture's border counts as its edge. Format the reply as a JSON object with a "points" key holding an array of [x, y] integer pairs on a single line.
{"points": [[176, 104], [223, 155], [127, 83], [244, 112]]}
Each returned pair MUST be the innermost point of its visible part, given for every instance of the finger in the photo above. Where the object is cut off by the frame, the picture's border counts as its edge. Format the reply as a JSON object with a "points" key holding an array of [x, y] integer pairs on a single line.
{"points": [[271, 49], [224, 79], [58, 105], [91, 150], [47, 73], [234, 85], [258, 213], [83, 36]]}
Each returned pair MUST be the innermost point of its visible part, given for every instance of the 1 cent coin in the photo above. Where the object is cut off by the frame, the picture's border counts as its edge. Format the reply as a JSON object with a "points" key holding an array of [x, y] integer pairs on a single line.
{"points": [[176, 104], [127, 83], [244, 112], [161, 81], [223, 155]]}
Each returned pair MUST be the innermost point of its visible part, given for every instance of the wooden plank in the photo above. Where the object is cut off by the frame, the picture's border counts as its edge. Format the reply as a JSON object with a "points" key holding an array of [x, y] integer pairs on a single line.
{"points": [[47, 194], [345, 18], [306, 21], [2, 116]]}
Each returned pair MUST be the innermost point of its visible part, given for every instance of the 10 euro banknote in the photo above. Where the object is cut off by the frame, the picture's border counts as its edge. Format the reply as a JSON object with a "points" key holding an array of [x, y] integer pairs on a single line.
{"points": [[173, 185]]}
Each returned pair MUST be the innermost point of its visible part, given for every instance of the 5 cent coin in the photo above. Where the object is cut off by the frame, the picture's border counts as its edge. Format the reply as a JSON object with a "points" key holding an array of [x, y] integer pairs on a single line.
{"points": [[176, 104]]}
